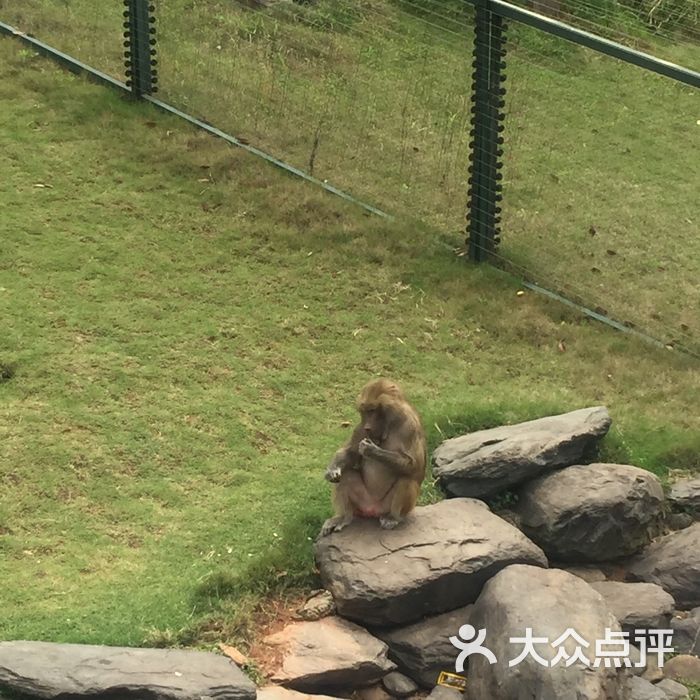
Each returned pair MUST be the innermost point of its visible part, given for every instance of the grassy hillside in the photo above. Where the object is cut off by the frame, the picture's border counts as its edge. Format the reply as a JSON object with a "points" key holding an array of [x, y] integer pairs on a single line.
{"points": [[184, 330], [373, 96]]}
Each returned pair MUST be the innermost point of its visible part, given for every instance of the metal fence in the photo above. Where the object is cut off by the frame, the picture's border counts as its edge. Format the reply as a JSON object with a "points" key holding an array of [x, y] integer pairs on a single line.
{"points": [[407, 107]]}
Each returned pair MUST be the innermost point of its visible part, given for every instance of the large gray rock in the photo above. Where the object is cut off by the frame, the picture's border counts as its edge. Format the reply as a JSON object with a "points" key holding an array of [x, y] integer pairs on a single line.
{"points": [[550, 602], [684, 668], [328, 655], [637, 605], [438, 559], [686, 632], [45, 670], [641, 689], [673, 562], [483, 463], [422, 650], [590, 574], [685, 495], [593, 512], [673, 690]]}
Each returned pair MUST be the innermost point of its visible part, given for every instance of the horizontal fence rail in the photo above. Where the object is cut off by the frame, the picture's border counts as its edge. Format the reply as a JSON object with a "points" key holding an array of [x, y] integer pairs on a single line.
{"points": [[486, 147]]}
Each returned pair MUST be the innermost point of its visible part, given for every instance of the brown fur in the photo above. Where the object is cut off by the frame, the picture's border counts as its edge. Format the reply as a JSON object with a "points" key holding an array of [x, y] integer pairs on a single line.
{"points": [[378, 473]]}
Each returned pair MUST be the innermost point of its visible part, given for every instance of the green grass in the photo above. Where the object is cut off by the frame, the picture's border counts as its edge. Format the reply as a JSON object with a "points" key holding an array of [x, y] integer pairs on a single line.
{"points": [[184, 329], [694, 690], [374, 97]]}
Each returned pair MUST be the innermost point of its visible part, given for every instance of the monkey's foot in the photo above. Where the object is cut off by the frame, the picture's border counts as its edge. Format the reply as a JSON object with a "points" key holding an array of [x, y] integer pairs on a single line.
{"points": [[334, 525], [386, 522]]}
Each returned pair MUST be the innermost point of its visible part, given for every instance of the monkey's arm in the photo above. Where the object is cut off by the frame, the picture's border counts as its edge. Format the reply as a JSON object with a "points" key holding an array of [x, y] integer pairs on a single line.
{"points": [[400, 462], [345, 458]]}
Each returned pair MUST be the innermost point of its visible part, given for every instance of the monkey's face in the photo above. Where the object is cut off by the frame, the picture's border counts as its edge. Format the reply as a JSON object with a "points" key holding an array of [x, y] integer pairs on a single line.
{"points": [[372, 422]]}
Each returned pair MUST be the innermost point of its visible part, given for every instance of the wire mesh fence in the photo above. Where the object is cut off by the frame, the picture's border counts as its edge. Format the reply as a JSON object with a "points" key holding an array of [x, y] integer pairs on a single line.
{"points": [[600, 183], [89, 31], [369, 96], [597, 193]]}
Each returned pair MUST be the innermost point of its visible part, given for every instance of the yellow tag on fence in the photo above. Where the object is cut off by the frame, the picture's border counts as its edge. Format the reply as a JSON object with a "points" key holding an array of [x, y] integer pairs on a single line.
{"points": [[452, 680]]}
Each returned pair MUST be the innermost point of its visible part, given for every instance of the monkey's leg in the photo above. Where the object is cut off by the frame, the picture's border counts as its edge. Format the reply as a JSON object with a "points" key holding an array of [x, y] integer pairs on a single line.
{"points": [[351, 498], [344, 509], [398, 502]]}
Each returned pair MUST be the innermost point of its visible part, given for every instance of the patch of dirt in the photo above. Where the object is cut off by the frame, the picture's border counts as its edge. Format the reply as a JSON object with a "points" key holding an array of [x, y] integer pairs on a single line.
{"points": [[273, 616]]}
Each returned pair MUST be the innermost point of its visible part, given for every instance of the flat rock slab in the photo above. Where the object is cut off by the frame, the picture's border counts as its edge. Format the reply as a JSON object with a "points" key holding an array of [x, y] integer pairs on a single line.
{"points": [[673, 562], [330, 654], [549, 602], [685, 495], [423, 649], [637, 605], [45, 670], [483, 463], [438, 559], [593, 512]]}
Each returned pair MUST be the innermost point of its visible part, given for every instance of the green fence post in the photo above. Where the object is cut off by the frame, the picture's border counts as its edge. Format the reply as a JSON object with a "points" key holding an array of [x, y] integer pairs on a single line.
{"points": [[487, 126], [139, 44]]}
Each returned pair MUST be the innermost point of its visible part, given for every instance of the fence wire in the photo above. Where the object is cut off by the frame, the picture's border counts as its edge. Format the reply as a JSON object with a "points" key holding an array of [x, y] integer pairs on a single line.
{"points": [[88, 30], [370, 96], [600, 186], [375, 96]]}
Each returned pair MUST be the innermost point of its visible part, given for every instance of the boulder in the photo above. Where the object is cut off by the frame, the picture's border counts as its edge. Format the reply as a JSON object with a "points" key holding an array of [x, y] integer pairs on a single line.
{"points": [[644, 690], [44, 670], [441, 692], [637, 605], [686, 632], [486, 462], [422, 650], [328, 655], [673, 690], [590, 574], [685, 495], [398, 685], [672, 562], [592, 513], [683, 668], [438, 559], [551, 603]]}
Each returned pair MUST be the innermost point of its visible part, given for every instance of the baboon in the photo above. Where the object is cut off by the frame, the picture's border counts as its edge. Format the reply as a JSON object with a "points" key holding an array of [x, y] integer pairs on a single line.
{"points": [[379, 472]]}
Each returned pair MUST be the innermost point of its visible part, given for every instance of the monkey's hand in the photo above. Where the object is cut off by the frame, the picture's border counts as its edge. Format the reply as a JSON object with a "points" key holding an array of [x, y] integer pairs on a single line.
{"points": [[333, 473], [366, 447]]}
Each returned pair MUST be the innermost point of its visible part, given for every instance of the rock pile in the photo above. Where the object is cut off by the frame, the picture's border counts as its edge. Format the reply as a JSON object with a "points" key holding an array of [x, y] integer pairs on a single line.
{"points": [[455, 568], [534, 593]]}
